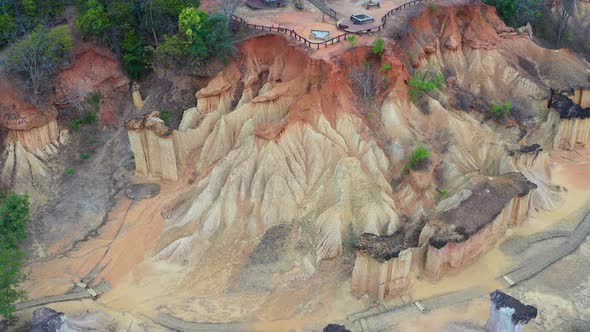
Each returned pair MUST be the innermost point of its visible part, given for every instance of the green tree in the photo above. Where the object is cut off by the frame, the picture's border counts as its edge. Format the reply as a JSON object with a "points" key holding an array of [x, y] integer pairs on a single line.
{"points": [[425, 81], [379, 47], [14, 214], [38, 56], [7, 28], [190, 22], [94, 20]]}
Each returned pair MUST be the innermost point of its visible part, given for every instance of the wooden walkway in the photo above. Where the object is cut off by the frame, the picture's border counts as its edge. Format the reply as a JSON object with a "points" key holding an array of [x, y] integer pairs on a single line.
{"points": [[178, 324], [77, 294]]}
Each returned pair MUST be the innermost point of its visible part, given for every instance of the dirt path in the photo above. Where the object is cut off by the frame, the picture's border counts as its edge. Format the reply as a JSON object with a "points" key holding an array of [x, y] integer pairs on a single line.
{"points": [[82, 200]]}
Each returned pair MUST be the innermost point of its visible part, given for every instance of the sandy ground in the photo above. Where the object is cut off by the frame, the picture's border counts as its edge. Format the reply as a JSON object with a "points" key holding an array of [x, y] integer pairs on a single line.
{"points": [[142, 287]]}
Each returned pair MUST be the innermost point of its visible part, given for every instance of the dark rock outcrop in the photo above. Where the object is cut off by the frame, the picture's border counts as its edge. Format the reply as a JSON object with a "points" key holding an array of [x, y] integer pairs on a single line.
{"points": [[508, 314], [335, 328], [47, 320], [567, 109]]}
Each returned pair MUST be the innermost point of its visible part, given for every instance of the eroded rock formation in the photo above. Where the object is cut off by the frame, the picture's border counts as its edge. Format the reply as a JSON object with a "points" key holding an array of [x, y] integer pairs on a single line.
{"points": [[280, 138], [467, 230], [33, 137]]}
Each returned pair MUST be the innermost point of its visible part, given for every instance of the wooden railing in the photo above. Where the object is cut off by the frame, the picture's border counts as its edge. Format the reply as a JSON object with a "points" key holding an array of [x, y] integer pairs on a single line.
{"points": [[389, 14], [290, 32], [293, 34]]}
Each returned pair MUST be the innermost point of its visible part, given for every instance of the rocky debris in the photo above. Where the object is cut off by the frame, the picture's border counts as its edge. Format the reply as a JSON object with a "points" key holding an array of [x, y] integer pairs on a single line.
{"points": [[335, 328], [382, 248], [48, 320], [487, 200], [533, 148], [150, 121], [567, 109], [508, 314], [141, 191]]}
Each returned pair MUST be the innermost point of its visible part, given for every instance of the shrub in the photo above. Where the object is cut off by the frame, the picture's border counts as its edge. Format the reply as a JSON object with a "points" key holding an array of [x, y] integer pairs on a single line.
{"points": [[70, 171], [425, 81], [441, 194], [417, 158], [385, 67], [84, 156], [432, 6], [88, 118], [501, 109], [352, 40], [379, 47], [165, 116]]}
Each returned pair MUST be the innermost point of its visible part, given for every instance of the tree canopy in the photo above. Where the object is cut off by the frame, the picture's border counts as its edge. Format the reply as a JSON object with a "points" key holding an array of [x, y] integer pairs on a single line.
{"points": [[131, 27], [14, 214]]}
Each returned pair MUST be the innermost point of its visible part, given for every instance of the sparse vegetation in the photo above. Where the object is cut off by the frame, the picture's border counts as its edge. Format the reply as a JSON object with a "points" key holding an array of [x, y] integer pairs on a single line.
{"points": [[88, 118], [379, 47], [165, 116], [441, 194], [84, 156], [366, 81], [70, 171], [14, 214], [93, 100], [425, 81], [501, 109], [385, 67], [432, 6], [417, 158], [352, 40]]}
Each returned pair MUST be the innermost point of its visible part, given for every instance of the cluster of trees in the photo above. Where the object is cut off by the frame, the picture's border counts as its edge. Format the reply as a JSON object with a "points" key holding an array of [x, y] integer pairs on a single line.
{"points": [[14, 214], [18, 17], [143, 32]]}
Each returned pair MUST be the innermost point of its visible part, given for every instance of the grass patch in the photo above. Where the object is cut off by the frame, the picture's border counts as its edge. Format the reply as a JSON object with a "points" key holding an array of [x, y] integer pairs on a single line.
{"points": [[351, 40]]}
